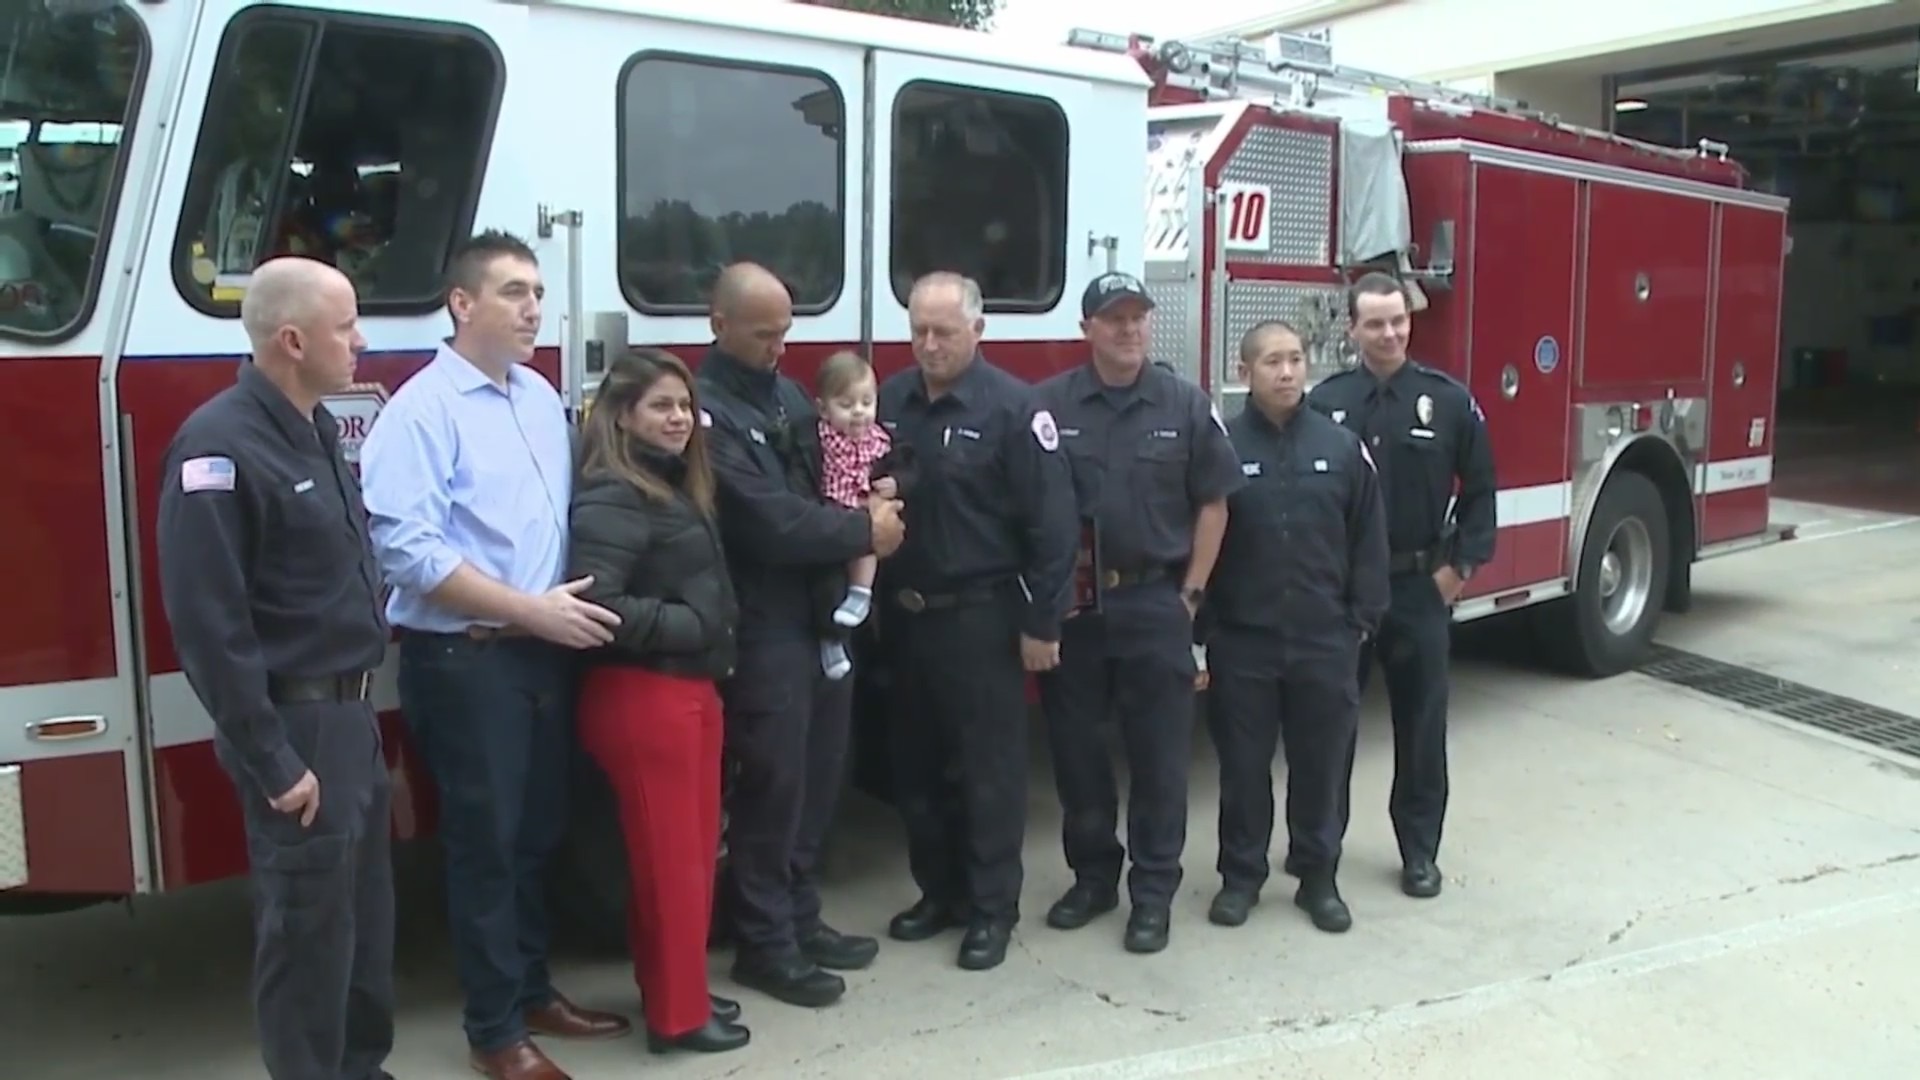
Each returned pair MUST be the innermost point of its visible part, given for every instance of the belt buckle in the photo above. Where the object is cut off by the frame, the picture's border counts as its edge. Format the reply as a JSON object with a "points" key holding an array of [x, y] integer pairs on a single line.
{"points": [[1110, 579], [912, 600]]}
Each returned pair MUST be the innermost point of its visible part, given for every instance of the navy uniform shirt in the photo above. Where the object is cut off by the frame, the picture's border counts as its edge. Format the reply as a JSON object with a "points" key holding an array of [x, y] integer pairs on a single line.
{"points": [[1304, 560], [1144, 458], [764, 444], [265, 565], [994, 499], [1425, 432]]}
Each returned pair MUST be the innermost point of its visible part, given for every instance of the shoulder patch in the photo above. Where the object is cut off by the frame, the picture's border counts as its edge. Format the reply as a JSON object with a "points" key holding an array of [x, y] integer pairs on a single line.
{"points": [[706, 418], [1045, 432], [207, 474]]}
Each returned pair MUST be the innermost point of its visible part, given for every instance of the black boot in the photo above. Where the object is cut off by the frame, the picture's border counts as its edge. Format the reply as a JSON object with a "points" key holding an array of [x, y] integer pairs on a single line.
{"points": [[926, 919], [1232, 904], [1147, 929], [1081, 905], [836, 951], [1320, 899], [795, 980]]}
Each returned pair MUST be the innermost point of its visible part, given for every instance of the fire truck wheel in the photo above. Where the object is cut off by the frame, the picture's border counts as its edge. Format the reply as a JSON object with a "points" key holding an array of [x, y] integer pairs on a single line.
{"points": [[1607, 625], [587, 897]]}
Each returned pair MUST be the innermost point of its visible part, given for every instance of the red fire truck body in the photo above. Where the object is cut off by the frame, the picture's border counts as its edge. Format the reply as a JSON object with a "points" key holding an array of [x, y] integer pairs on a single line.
{"points": [[1614, 308]]}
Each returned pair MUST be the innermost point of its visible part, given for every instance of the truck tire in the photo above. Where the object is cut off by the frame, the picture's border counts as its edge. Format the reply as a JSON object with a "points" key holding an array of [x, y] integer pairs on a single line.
{"points": [[587, 897], [1606, 627]]}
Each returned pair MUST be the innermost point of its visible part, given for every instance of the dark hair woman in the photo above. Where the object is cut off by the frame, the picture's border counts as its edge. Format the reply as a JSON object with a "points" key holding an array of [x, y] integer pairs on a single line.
{"points": [[644, 530]]}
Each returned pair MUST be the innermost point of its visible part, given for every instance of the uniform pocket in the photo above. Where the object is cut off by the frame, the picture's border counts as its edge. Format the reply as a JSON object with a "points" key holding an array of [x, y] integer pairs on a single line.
{"points": [[300, 877]]}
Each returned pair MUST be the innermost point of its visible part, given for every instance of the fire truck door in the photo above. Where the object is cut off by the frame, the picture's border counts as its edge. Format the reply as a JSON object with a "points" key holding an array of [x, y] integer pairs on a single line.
{"points": [[352, 131], [1520, 338], [1736, 486]]}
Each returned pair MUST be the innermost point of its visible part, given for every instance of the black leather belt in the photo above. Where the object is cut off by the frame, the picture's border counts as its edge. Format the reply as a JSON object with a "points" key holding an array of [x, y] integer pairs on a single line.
{"points": [[1113, 579], [1410, 562], [914, 601], [307, 689]]}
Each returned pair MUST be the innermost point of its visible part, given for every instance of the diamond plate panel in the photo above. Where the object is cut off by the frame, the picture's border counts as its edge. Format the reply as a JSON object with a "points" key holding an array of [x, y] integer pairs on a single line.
{"points": [[1172, 152], [1318, 311], [1173, 333], [13, 830], [1298, 167]]}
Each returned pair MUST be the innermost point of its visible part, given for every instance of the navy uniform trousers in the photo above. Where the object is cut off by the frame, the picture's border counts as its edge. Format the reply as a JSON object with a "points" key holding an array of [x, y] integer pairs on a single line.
{"points": [[323, 904]]}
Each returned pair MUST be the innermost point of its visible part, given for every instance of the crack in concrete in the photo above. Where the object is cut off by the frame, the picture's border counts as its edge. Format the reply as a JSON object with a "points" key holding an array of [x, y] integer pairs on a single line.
{"points": [[1105, 998], [1818, 872]]}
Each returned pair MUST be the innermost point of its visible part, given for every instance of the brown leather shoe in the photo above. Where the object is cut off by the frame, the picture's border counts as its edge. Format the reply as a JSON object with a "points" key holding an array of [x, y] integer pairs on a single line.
{"points": [[562, 1019], [521, 1061]]}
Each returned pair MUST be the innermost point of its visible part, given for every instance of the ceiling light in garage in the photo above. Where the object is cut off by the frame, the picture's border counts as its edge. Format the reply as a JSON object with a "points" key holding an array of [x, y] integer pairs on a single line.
{"points": [[1629, 105]]}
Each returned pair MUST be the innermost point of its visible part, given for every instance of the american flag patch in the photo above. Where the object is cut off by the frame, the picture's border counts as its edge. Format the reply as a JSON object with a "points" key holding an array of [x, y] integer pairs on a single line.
{"points": [[206, 474]]}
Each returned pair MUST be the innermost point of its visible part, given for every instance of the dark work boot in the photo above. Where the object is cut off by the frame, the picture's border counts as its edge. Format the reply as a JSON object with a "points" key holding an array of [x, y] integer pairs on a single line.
{"points": [[985, 945], [1081, 905], [1232, 904], [795, 980], [926, 919], [1420, 878], [1147, 929], [836, 951], [1320, 899]]}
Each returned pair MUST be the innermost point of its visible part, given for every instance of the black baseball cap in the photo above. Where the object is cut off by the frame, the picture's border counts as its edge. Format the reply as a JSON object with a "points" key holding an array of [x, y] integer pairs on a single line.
{"points": [[1109, 289]]}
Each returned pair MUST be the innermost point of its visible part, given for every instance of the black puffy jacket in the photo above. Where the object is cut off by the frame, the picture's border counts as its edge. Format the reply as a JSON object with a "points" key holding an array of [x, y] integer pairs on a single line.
{"points": [[660, 567]]}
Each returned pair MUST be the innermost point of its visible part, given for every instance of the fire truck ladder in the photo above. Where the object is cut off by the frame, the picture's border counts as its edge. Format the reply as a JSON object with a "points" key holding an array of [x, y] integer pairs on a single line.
{"points": [[1297, 71]]}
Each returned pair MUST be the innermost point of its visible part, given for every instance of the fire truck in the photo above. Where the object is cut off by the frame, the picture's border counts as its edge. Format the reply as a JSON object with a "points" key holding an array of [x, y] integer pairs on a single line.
{"points": [[1614, 306]]}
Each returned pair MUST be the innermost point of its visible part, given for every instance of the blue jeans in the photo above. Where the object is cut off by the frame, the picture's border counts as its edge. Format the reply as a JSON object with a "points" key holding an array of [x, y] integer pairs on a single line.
{"points": [[493, 721]]}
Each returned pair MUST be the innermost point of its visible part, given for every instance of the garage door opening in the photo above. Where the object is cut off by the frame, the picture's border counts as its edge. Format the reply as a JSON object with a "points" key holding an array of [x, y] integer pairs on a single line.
{"points": [[1837, 130]]}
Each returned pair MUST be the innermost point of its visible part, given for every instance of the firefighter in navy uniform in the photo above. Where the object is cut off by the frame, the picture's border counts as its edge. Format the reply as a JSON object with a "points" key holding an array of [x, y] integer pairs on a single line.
{"points": [[270, 588], [975, 598], [786, 721], [1302, 582], [1426, 433], [1152, 468]]}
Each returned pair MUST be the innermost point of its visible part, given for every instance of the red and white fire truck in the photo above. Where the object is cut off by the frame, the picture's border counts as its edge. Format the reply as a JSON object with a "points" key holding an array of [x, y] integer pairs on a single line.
{"points": [[1614, 306]]}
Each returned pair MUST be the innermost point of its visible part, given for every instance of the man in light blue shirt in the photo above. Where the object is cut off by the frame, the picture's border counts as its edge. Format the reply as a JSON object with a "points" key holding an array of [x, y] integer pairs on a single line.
{"points": [[468, 476]]}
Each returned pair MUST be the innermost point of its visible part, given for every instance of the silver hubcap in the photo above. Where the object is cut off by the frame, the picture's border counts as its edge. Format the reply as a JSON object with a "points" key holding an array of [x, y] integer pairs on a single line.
{"points": [[1626, 576]]}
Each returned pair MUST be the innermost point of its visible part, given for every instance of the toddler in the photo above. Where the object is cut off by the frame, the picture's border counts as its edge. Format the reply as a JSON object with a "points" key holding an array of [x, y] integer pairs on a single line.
{"points": [[851, 440]]}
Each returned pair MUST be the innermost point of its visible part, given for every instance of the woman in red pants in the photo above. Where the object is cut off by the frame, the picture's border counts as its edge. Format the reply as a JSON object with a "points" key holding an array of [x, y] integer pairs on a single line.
{"points": [[644, 532]]}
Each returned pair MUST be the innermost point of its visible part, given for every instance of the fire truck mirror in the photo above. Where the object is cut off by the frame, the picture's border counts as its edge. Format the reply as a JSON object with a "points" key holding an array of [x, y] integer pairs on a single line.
{"points": [[1642, 287]]}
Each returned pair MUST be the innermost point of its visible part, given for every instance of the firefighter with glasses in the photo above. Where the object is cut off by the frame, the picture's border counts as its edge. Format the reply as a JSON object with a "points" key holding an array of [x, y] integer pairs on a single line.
{"points": [[1427, 435]]}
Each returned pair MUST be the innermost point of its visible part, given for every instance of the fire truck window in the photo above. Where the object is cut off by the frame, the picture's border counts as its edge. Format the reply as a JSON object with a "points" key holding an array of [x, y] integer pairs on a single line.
{"points": [[68, 86], [980, 187], [357, 142], [721, 162]]}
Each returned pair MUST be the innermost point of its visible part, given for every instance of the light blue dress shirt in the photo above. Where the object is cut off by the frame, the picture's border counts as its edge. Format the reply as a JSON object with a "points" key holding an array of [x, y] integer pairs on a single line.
{"points": [[460, 469]]}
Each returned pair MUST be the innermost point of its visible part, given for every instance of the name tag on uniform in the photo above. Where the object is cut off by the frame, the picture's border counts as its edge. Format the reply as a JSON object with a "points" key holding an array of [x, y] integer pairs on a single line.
{"points": [[1249, 468], [303, 487], [1420, 432], [890, 425], [1320, 464], [1165, 433], [967, 433], [1069, 432]]}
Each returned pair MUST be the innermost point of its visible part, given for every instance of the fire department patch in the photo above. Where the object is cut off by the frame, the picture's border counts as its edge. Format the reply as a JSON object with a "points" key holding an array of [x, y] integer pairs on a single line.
{"points": [[1423, 408], [1044, 431]]}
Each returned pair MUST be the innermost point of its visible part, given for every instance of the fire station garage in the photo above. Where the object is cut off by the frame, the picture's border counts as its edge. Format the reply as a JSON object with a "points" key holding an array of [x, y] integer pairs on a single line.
{"points": [[1836, 128], [1818, 99]]}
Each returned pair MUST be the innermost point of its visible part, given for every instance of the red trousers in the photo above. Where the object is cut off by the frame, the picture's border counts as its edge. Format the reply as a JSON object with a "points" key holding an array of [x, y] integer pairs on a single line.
{"points": [[657, 738]]}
